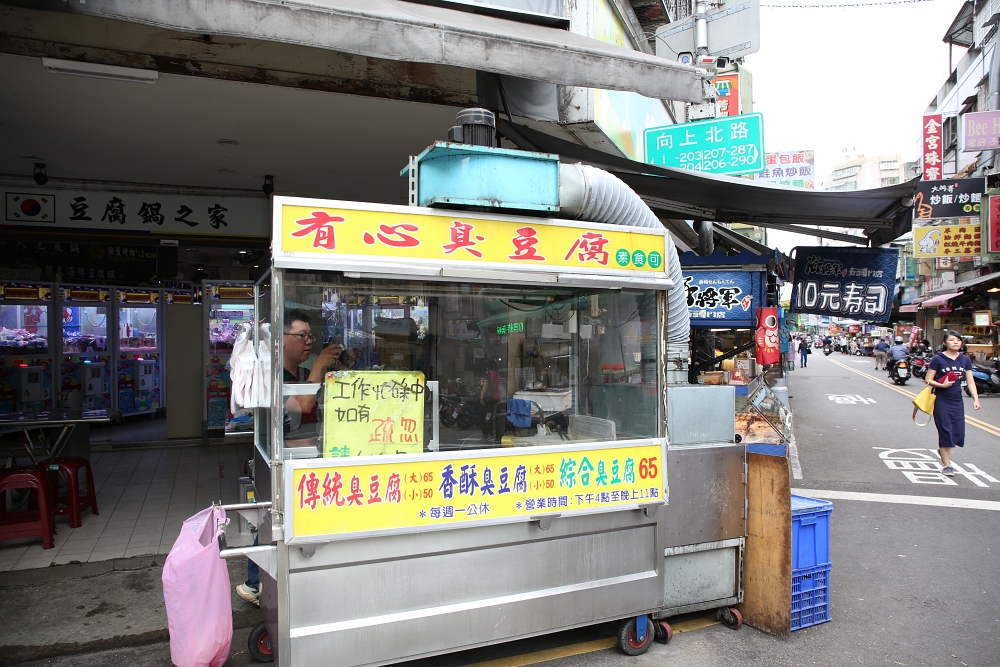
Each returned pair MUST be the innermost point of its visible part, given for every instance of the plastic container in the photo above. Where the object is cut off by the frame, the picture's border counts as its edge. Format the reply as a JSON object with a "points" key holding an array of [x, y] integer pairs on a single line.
{"points": [[810, 596], [810, 532]]}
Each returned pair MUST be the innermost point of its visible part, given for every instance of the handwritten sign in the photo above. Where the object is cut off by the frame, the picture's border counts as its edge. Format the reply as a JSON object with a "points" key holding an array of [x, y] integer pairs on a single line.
{"points": [[373, 412], [335, 498]]}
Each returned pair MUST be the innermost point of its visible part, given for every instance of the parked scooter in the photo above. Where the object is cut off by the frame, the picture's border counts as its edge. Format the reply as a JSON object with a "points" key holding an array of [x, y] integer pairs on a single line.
{"points": [[899, 371], [919, 366], [987, 380]]}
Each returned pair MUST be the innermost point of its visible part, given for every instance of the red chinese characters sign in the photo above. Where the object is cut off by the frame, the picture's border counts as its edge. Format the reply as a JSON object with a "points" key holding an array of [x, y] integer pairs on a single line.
{"points": [[932, 145], [993, 225], [325, 231]]}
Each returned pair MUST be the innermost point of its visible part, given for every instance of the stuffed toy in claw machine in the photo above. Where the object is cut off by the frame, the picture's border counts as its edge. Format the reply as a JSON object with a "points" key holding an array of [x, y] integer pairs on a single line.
{"points": [[768, 338]]}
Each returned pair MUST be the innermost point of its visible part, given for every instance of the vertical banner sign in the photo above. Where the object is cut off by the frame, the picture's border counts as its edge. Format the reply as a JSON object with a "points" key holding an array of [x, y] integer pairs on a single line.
{"points": [[932, 155], [373, 412], [859, 283], [768, 339], [993, 225]]}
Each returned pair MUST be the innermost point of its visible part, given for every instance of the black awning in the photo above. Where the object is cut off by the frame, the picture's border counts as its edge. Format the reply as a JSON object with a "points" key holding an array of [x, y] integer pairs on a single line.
{"points": [[884, 213]]}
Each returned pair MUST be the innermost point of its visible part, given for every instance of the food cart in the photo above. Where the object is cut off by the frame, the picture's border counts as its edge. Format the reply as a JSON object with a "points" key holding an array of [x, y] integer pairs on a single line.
{"points": [[227, 308], [26, 351]]}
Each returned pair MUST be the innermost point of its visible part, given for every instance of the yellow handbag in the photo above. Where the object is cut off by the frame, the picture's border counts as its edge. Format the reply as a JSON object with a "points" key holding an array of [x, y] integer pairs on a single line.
{"points": [[924, 402]]}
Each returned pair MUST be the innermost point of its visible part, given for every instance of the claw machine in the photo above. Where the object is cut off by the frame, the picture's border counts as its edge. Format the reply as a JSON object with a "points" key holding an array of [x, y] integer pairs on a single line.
{"points": [[85, 364], [26, 353], [139, 352], [228, 309]]}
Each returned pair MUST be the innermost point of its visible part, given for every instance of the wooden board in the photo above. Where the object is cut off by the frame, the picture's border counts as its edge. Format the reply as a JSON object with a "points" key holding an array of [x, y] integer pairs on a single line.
{"points": [[767, 560]]}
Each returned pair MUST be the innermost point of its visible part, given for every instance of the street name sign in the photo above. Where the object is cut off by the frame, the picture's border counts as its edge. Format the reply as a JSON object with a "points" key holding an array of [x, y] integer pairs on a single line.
{"points": [[732, 145]]}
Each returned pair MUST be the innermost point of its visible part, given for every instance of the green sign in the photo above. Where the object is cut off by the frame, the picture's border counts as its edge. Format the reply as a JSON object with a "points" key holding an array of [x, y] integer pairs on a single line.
{"points": [[730, 145], [509, 328]]}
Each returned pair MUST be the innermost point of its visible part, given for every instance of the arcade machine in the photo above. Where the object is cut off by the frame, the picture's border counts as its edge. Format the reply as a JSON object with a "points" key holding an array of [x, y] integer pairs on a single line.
{"points": [[139, 353], [26, 358], [85, 379], [227, 308]]}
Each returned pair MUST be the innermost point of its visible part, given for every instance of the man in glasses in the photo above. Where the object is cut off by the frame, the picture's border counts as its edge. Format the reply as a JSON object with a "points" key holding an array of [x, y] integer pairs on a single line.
{"points": [[298, 347]]}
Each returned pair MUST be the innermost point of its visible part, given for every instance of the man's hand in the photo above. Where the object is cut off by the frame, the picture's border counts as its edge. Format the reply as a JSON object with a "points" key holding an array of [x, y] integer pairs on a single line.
{"points": [[329, 355]]}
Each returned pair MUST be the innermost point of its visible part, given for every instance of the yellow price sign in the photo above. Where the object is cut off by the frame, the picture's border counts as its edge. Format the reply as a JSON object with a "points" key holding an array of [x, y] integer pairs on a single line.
{"points": [[373, 412], [337, 231], [338, 498]]}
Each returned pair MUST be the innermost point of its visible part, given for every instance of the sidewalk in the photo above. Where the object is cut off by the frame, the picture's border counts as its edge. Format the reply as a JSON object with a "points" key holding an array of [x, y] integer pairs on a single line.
{"points": [[143, 497], [86, 607]]}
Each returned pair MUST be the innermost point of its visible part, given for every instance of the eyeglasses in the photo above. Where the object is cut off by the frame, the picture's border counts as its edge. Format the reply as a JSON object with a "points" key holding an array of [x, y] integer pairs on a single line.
{"points": [[304, 337]]}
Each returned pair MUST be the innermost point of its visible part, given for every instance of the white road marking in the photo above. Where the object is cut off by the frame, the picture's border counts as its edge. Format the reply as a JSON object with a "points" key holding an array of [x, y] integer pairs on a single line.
{"points": [[960, 503], [793, 456], [850, 399], [922, 468]]}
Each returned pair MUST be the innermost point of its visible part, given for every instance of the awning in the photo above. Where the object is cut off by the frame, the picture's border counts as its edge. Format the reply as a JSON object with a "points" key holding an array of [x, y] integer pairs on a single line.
{"points": [[409, 32], [909, 308], [884, 213], [972, 282], [939, 300]]}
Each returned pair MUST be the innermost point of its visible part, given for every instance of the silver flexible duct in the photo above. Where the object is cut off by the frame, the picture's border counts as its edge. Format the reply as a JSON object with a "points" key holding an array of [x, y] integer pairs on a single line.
{"points": [[588, 193]]}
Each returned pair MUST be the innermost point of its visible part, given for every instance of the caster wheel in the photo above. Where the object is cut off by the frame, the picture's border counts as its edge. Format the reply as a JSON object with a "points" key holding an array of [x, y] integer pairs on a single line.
{"points": [[731, 618], [628, 640], [662, 632], [259, 644]]}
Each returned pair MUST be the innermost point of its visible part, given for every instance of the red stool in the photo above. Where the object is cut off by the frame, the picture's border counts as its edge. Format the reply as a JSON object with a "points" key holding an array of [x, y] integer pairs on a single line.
{"points": [[72, 503], [29, 523]]}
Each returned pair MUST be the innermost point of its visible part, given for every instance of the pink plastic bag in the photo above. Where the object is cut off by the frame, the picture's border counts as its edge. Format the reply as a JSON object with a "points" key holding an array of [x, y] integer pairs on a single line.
{"points": [[196, 593]]}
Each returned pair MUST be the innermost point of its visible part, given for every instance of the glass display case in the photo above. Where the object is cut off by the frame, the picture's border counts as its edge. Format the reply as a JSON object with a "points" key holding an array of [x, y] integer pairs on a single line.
{"points": [[26, 324], [760, 417], [580, 364], [24, 329], [137, 330]]}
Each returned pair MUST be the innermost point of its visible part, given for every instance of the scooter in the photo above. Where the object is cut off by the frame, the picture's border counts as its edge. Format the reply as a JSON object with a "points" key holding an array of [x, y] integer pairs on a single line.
{"points": [[899, 371], [827, 350], [920, 364], [987, 381]]}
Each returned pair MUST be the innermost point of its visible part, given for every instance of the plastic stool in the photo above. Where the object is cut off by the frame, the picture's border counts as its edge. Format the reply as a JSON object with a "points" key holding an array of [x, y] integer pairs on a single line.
{"points": [[30, 523], [73, 502]]}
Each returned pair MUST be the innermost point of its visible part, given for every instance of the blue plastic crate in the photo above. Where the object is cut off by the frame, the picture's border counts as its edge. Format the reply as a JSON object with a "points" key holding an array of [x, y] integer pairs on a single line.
{"points": [[810, 532], [810, 596]]}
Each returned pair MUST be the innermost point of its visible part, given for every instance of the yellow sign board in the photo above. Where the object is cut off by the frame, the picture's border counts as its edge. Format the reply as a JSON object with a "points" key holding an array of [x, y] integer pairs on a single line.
{"points": [[373, 412], [336, 498], [947, 241], [338, 230]]}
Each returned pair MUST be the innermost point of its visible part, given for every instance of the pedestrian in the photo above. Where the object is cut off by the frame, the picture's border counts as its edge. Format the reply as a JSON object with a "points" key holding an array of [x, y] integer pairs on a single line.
{"points": [[793, 350], [803, 353], [881, 348], [948, 367]]}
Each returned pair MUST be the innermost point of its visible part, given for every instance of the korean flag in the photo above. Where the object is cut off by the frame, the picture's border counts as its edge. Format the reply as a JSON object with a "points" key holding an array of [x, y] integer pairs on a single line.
{"points": [[22, 207]]}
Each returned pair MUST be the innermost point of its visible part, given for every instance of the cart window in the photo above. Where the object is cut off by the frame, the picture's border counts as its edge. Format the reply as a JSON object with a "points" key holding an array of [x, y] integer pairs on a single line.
{"points": [[84, 329], [24, 330], [137, 329], [513, 366], [264, 342]]}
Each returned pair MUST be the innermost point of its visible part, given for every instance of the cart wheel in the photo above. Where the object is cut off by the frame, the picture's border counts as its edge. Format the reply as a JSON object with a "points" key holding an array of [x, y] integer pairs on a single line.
{"points": [[731, 618], [629, 642], [259, 644], [662, 632]]}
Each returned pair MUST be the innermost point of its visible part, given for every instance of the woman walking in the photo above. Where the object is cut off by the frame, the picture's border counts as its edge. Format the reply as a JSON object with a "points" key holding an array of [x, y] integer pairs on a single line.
{"points": [[944, 374]]}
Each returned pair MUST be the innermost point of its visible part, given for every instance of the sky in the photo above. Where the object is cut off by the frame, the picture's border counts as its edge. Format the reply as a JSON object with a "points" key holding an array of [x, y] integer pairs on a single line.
{"points": [[855, 77]]}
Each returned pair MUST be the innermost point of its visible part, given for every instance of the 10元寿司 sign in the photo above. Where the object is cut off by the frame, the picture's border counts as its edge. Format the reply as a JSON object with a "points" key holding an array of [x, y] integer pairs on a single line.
{"points": [[336, 498], [332, 231], [731, 145]]}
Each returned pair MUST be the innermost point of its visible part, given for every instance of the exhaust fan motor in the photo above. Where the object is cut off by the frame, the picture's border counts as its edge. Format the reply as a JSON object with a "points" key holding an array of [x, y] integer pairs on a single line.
{"points": [[476, 127]]}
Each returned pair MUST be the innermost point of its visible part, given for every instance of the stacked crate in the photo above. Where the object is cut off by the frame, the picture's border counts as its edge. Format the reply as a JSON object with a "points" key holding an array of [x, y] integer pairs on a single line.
{"points": [[810, 561]]}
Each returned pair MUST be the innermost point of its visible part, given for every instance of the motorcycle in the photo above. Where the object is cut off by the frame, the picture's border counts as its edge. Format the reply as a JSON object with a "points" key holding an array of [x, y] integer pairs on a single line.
{"points": [[899, 371], [827, 350], [987, 381], [920, 364], [448, 410]]}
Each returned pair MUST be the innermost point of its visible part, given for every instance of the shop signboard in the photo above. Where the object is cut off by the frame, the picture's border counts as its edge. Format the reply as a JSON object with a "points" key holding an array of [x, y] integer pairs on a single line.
{"points": [[932, 144], [795, 168], [731, 145], [993, 224], [859, 283], [909, 295], [333, 233], [727, 87], [723, 298], [336, 498], [128, 211], [981, 131], [947, 241], [955, 198], [377, 412]]}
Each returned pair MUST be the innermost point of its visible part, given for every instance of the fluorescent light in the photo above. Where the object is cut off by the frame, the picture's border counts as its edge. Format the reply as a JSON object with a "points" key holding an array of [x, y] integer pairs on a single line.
{"points": [[97, 71]]}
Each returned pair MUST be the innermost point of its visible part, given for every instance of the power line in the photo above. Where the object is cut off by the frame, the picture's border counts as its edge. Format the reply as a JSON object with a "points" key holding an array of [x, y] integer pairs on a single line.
{"points": [[847, 4]]}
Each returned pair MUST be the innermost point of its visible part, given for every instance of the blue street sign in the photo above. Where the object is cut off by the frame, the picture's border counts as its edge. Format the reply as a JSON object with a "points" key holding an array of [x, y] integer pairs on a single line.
{"points": [[730, 145]]}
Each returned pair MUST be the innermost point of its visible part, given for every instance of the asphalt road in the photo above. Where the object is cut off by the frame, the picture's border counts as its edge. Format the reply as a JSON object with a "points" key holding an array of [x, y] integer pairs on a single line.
{"points": [[910, 585]]}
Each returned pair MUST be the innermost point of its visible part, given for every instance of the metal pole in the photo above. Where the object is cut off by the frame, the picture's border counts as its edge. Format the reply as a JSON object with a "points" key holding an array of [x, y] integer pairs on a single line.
{"points": [[701, 27]]}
